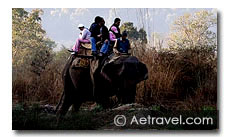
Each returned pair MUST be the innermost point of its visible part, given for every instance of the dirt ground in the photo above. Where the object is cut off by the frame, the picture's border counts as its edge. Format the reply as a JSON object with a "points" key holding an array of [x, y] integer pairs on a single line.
{"points": [[94, 117]]}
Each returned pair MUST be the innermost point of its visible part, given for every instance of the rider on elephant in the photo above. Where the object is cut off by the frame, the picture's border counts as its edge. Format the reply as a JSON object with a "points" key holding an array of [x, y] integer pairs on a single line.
{"points": [[115, 28], [114, 32], [84, 37], [99, 32], [122, 45]]}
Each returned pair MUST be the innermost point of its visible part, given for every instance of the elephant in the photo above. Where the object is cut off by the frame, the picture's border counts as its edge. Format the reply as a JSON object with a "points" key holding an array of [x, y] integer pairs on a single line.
{"points": [[99, 80]]}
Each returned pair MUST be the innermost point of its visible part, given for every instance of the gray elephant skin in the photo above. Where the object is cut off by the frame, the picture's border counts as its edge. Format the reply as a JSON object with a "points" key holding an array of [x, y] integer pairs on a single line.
{"points": [[99, 81]]}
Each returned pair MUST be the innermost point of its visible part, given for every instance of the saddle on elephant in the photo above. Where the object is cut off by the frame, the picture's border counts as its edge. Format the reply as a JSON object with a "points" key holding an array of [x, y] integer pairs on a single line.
{"points": [[84, 55], [82, 58], [85, 49]]}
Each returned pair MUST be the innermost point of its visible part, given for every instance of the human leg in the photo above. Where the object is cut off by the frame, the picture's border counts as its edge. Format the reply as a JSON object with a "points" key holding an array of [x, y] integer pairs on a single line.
{"points": [[76, 46], [93, 44], [84, 40], [104, 48]]}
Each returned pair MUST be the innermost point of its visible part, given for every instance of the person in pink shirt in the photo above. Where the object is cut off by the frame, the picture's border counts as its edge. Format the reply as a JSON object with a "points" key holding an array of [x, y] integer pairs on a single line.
{"points": [[116, 29], [84, 37], [112, 32]]}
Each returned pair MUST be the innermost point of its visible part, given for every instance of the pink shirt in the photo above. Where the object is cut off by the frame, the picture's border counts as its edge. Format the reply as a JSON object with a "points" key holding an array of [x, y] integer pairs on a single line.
{"points": [[112, 36]]}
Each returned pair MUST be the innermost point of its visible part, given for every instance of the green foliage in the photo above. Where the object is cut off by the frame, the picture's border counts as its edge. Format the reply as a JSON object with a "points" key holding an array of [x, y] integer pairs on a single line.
{"points": [[34, 118], [35, 75], [98, 108], [208, 108], [61, 55], [143, 35], [31, 49], [156, 108], [133, 33], [194, 30]]}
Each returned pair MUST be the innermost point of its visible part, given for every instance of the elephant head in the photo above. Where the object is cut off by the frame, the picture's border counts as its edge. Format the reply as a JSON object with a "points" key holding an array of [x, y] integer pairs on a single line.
{"points": [[125, 70], [123, 75]]}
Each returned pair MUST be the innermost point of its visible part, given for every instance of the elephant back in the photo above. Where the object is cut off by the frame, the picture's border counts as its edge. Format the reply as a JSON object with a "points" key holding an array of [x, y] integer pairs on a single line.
{"points": [[85, 49], [79, 62], [82, 62]]}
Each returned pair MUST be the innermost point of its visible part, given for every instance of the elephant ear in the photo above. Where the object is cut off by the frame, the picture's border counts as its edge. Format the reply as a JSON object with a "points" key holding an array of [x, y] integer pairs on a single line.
{"points": [[112, 71], [129, 68], [126, 66]]}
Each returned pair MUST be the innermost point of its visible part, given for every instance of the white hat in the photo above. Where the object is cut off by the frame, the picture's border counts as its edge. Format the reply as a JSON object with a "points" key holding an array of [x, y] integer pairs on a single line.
{"points": [[80, 26]]}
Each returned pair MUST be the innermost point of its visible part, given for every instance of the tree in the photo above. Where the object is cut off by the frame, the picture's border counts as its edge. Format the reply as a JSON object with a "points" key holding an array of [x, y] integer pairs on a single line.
{"points": [[31, 49], [133, 33], [143, 35], [194, 30], [157, 40]]}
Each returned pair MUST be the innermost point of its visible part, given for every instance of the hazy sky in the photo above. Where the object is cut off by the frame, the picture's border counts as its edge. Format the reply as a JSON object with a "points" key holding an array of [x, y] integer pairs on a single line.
{"points": [[61, 23]]}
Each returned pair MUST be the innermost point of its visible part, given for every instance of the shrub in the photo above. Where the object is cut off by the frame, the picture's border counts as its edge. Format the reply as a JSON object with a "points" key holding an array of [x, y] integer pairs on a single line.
{"points": [[187, 76]]}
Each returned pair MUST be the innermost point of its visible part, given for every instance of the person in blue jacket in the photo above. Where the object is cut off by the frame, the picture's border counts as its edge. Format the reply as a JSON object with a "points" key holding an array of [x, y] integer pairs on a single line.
{"points": [[122, 45]]}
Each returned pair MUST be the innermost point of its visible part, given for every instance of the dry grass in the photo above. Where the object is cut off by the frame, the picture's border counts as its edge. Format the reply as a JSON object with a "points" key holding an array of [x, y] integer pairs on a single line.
{"points": [[185, 79], [45, 88], [28, 87]]}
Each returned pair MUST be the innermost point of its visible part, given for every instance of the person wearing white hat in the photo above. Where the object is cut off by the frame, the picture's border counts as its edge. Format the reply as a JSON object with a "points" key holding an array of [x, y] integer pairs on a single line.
{"points": [[84, 37]]}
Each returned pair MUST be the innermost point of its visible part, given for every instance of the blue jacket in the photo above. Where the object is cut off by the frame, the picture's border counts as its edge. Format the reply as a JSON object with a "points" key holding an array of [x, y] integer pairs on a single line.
{"points": [[123, 46], [95, 30]]}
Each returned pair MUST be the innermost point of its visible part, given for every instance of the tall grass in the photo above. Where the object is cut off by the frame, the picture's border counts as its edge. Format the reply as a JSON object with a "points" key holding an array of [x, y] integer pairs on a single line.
{"points": [[28, 87], [182, 79]]}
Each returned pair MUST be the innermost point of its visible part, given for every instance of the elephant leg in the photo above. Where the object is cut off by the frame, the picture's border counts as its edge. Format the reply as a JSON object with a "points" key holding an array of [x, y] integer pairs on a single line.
{"points": [[123, 97], [100, 94], [60, 102], [68, 87], [127, 95], [81, 81], [67, 102], [119, 96], [67, 99], [104, 102], [131, 93], [76, 105]]}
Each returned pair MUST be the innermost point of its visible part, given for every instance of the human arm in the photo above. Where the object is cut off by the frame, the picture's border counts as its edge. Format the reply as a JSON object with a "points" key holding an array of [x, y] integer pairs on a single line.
{"points": [[84, 34], [115, 47]]}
